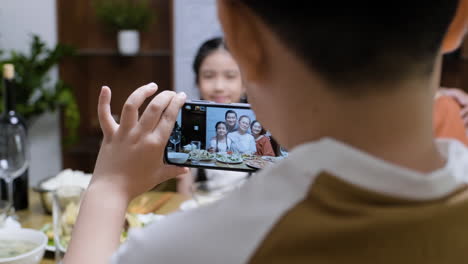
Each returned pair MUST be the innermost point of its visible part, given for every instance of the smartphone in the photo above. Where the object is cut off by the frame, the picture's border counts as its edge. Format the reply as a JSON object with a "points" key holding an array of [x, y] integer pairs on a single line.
{"points": [[219, 136]]}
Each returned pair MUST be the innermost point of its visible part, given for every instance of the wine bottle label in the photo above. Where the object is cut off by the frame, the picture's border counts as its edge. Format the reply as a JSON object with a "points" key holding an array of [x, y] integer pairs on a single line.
{"points": [[8, 71]]}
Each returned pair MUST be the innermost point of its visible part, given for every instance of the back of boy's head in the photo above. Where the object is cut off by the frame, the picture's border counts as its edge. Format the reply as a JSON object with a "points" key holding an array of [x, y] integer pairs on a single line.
{"points": [[351, 43]]}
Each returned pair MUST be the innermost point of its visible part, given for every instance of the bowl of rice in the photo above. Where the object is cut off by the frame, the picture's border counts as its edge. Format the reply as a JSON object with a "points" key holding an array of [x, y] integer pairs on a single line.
{"points": [[67, 177]]}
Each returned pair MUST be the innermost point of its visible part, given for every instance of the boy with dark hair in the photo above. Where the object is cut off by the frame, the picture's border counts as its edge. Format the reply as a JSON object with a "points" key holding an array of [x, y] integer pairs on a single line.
{"points": [[329, 82]]}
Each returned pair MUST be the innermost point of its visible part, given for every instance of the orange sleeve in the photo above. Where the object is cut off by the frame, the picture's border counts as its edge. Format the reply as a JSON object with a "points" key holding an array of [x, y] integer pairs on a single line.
{"points": [[448, 122], [264, 147]]}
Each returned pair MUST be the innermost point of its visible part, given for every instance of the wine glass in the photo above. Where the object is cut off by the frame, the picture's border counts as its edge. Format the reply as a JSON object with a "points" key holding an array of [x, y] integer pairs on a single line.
{"points": [[14, 155], [176, 135]]}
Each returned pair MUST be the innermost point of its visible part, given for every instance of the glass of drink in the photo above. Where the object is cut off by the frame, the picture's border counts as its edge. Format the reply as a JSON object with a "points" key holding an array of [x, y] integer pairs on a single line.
{"points": [[66, 204], [196, 144]]}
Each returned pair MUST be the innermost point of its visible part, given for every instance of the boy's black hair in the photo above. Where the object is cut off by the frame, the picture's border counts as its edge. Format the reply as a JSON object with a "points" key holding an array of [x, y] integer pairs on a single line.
{"points": [[350, 43]]}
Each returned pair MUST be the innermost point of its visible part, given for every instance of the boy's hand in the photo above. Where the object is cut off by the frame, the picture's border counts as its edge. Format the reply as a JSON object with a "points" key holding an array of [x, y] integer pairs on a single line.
{"points": [[130, 160]]}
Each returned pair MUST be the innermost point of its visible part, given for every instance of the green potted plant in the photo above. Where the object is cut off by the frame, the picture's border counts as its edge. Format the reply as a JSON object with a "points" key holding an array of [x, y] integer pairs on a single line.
{"points": [[127, 18], [36, 93]]}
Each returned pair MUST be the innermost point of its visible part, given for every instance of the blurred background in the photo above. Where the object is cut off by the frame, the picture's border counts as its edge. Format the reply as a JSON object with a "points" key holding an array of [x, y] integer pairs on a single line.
{"points": [[78, 46]]}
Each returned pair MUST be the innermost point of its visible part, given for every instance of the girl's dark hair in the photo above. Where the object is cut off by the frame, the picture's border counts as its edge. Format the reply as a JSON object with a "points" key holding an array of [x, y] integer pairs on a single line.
{"points": [[230, 112], [216, 128], [219, 123], [204, 51], [262, 132]]}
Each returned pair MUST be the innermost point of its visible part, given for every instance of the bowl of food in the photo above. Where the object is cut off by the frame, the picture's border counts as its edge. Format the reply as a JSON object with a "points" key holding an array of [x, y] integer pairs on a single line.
{"points": [[67, 177], [201, 155], [21, 246], [178, 157]]}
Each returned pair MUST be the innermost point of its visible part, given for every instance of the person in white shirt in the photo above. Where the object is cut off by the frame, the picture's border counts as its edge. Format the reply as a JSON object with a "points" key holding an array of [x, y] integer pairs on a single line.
{"points": [[244, 142], [329, 82], [221, 142]]}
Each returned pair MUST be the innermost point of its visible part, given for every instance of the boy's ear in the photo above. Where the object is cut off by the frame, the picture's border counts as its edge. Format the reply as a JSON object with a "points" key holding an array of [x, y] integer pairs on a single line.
{"points": [[242, 35], [458, 28]]}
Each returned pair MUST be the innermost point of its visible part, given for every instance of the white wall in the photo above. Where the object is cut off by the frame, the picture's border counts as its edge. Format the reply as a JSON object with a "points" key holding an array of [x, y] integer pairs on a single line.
{"points": [[18, 20], [194, 22]]}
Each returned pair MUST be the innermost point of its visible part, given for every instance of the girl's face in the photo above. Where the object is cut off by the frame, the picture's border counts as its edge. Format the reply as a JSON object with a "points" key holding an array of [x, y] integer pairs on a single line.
{"points": [[220, 79], [256, 128], [221, 130], [231, 119], [244, 124]]}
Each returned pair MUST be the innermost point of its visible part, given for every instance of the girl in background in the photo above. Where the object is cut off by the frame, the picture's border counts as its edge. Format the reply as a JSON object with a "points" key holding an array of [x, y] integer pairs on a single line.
{"points": [[218, 77], [217, 74]]}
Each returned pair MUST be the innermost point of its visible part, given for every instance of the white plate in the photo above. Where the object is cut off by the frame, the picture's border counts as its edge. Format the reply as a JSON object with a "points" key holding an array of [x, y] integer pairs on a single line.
{"points": [[230, 162]]}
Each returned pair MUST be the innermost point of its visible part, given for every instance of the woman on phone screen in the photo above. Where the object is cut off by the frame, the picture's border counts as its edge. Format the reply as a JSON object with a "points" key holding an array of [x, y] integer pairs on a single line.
{"points": [[244, 142], [262, 142]]}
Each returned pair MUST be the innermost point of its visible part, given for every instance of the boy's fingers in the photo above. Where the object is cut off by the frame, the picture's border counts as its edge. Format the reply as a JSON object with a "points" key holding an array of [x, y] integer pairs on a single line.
{"points": [[169, 116], [107, 122], [155, 108], [129, 116]]}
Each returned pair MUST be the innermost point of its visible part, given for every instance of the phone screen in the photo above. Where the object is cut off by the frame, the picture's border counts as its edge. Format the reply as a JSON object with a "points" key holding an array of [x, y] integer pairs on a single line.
{"points": [[220, 136]]}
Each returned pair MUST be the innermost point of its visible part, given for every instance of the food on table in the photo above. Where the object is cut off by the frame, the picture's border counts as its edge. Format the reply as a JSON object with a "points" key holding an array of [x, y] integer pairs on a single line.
{"points": [[270, 159], [68, 220], [258, 163], [137, 221], [131, 221], [67, 177], [248, 156], [147, 204], [229, 158], [201, 154], [10, 248], [49, 232], [189, 147], [139, 214]]}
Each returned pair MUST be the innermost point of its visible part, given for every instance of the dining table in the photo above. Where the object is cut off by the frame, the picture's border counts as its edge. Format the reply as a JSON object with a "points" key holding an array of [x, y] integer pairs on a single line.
{"points": [[157, 202]]}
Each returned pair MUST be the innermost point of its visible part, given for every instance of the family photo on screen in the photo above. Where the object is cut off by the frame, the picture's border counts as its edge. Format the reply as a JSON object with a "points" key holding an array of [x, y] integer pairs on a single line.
{"points": [[222, 137]]}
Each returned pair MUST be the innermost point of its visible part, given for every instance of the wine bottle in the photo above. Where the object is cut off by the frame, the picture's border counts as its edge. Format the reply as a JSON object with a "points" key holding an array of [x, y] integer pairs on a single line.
{"points": [[9, 115]]}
